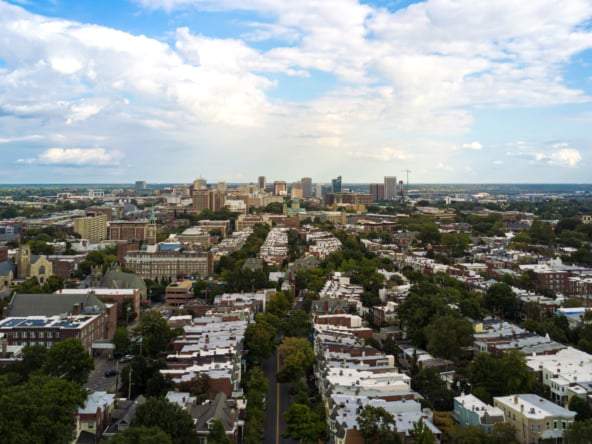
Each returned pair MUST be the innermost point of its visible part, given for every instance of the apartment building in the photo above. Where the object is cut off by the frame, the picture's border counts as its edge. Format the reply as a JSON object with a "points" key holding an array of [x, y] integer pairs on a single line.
{"points": [[534, 418]]}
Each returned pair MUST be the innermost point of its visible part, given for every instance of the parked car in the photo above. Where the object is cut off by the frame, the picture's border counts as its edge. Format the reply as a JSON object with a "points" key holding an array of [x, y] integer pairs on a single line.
{"points": [[110, 372], [126, 358]]}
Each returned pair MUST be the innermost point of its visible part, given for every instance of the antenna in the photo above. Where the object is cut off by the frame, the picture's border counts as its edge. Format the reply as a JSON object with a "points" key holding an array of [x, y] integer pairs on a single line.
{"points": [[407, 171]]}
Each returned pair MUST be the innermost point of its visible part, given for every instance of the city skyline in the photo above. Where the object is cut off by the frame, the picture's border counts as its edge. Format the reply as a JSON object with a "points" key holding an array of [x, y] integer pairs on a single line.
{"points": [[171, 90]]}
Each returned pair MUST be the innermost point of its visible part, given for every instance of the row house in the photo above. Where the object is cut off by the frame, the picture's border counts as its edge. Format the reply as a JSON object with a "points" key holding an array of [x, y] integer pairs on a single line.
{"points": [[170, 264]]}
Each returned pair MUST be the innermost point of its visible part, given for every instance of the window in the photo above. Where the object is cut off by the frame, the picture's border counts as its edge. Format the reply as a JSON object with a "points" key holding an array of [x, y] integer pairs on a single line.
{"points": [[555, 424], [548, 425], [563, 425]]}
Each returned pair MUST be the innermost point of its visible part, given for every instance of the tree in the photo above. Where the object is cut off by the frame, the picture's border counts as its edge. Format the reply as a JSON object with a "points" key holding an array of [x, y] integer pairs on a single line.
{"points": [[428, 382], [68, 360], [217, 434], [297, 323], [459, 334], [155, 333], [39, 411], [141, 435], [422, 434], [303, 424], [297, 357], [500, 299], [121, 341], [580, 406], [259, 341], [579, 432], [375, 425], [491, 376], [169, 417]]}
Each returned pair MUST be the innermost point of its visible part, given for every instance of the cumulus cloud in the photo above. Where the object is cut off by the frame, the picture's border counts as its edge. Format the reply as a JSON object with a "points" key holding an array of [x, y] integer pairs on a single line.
{"points": [[566, 157], [75, 157], [472, 146]]}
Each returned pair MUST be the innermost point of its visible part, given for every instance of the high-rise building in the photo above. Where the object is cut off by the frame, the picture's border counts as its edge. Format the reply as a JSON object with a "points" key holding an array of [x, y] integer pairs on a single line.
{"points": [[92, 227], [200, 183], [280, 188], [306, 187], [336, 184], [390, 187], [141, 185], [296, 191], [377, 191], [262, 182], [201, 199], [402, 189]]}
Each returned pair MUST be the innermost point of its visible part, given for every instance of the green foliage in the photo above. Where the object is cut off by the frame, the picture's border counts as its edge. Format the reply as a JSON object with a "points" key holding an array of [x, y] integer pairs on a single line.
{"points": [[296, 324], [141, 435], [200, 387], [303, 424], [501, 300], [297, 358], [375, 425], [579, 432], [170, 417], [259, 340], [580, 406], [458, 334], [121, 341], [155, 333], [491, 376], [428, 382], [39, 410], [217, 434], [502, 433], [145, 377], [422, 434], [68, 360]]}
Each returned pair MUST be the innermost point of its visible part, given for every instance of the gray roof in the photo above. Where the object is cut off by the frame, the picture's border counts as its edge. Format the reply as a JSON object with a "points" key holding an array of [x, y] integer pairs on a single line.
{"points": [[53, 304], [121, 280], [216, 409], [6, 267]]}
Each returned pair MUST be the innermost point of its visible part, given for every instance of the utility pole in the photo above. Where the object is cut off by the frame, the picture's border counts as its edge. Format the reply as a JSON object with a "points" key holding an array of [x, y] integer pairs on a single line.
{"points": [[129, 388]]}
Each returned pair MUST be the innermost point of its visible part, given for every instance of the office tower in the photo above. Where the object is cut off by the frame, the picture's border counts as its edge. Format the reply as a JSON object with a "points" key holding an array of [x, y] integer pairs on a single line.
{"points": [[377, 191], [280, 188], [262, 182], [390, 187], [222, 187], [141, 185], [336, 184], [296, 192], [306, 187], [200, 183], [201, 199], [401, 189]]}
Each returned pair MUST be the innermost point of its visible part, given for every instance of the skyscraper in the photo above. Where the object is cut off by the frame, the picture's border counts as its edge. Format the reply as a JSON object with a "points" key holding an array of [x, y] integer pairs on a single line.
{"points": [[280, 188], [262, 182], [377, 191], [306, 187], [336, 183], [390, 187]]}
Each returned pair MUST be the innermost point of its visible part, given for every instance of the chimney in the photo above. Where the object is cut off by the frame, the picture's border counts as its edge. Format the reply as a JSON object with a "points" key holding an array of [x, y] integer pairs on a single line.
{"points": [[76, 310], [4, 312], [515, 399]]}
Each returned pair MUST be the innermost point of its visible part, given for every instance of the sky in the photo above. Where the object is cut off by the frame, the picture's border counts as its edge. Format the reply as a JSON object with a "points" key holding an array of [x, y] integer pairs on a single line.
{"points": [[454, 91]]}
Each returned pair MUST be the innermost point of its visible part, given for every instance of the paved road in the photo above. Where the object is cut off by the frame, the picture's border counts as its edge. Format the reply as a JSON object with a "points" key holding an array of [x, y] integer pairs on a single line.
{"points": [[97, 379], [278, 402]]}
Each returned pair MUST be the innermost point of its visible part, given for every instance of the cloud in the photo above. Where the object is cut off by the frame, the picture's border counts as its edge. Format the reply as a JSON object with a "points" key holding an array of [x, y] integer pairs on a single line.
{"points": [[384, 154], [31, 138], [566, 157], [472, 146], [557, 154], [443, 166], [75, 157]]}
